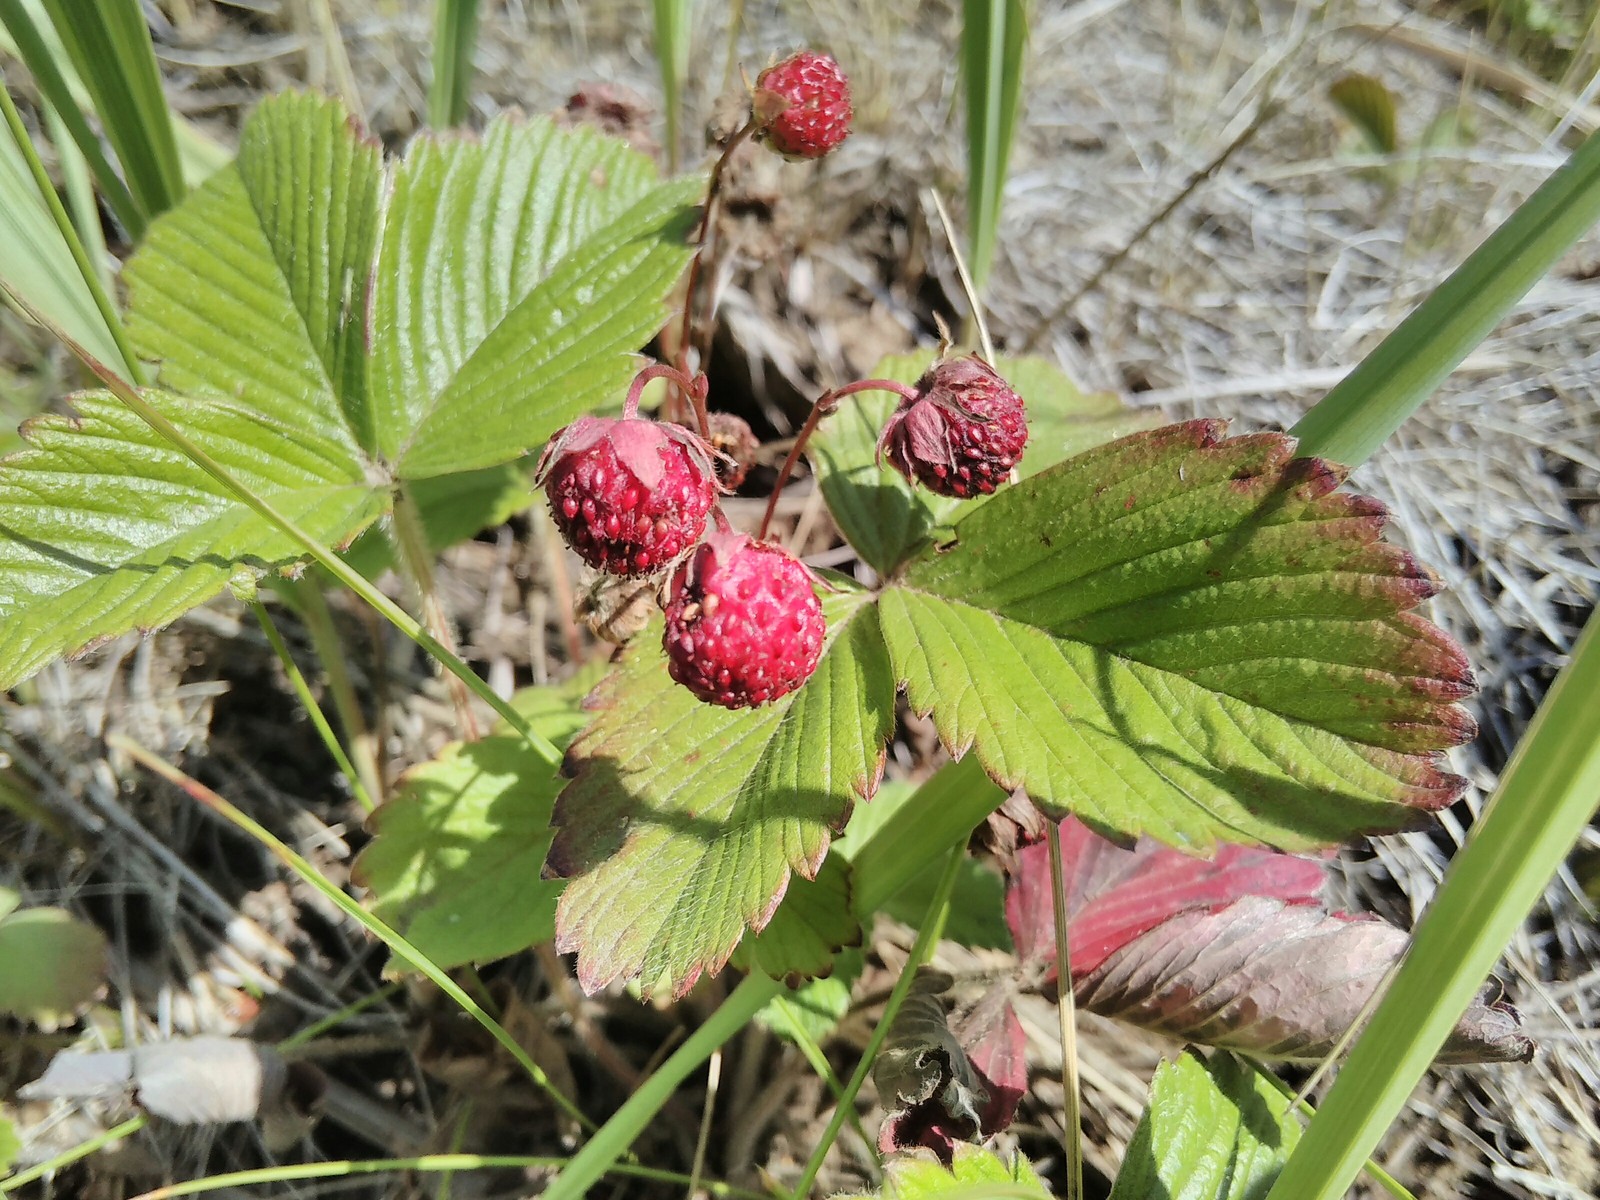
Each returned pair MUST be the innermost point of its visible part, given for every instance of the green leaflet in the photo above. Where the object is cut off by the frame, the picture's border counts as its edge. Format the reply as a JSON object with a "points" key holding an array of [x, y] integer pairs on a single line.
{"points": [[455, 862], [1190, 637], [326, 343], [975, 1172], [684, 822], [1214, 1130], [50, 963]]}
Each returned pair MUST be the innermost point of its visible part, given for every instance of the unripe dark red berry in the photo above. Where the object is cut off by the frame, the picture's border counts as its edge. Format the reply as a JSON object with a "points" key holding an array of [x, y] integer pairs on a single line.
{"points": [[744, 626], [802, 105], [733, 439], [962, 432], [629, 494]]}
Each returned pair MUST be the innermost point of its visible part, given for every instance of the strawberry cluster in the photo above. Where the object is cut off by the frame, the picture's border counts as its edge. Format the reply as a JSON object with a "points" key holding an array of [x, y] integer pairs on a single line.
{"points": [[634, 497]]}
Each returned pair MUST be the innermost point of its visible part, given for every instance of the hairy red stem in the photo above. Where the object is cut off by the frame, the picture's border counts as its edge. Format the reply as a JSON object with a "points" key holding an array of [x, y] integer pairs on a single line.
{"points": [[702, 234], [824, 405]]}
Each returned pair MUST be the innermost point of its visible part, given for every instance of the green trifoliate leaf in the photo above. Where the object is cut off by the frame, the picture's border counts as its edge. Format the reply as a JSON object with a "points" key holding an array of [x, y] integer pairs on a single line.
{"points": [[1189, 637], [882, 515], [974, 1172], [1213, 1131], [455, 864], [328, 325], [684, 822]]}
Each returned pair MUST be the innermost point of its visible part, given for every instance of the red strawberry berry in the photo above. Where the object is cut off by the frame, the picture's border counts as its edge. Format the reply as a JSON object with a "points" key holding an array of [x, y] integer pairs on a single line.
{"points": [[629, 494], [961, 434], [802, 105], [743, 624]]}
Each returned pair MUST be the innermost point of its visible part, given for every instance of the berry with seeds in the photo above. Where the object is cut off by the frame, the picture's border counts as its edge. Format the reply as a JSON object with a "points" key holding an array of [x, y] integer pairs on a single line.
{"points": [[629, 494], [802, 105], [744, 626], [962, 431]]}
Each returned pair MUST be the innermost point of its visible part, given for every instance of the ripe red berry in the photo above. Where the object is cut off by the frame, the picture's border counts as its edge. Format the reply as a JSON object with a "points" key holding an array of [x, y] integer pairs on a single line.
{"points": [[629, 494], [802, 105], [961, 434], [743, 623]]}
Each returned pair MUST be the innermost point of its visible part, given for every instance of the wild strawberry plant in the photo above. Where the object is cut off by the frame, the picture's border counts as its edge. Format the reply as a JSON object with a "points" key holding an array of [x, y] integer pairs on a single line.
{"points": [[1176, 635]]}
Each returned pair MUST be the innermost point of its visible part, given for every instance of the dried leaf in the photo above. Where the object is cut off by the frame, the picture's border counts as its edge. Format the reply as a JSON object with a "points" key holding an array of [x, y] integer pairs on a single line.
{"points": [[188, 1081], [1274, 980], [944, 1081]]}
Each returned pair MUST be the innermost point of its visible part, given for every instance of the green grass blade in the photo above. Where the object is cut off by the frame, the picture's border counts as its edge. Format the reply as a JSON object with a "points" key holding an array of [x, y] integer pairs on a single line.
{"points": [[613, 1138], [1369, 404], [674, 25], [58, 92], [1544, 801], [83, 205], [455, 34], [109, 44], [42, 262], [993, 43]]}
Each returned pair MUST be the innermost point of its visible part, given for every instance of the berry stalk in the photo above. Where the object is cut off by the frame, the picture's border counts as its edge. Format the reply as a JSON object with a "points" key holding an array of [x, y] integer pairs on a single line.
{"points": [[702, 236], [824, 405], [696, 387]]}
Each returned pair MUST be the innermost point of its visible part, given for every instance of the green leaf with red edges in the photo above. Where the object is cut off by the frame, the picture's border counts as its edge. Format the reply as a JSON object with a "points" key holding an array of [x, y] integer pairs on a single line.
{"points": [[684, 822], [813, 922], [882, 515], [1188, 636]]}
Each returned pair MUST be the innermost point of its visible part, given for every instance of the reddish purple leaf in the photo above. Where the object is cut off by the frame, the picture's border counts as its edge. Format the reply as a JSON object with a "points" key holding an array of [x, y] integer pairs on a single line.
{"points": [[1236, 951], [1116, 894], [997, 1047]]}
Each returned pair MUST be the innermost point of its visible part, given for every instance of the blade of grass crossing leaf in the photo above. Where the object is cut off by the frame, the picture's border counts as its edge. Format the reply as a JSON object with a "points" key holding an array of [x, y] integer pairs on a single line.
{"points": [[109, 44], [336, 566], [1543, 803], [674, 25], [455, 34], [993, 41], [1379, 1176], [45, 266], [82, 204], [1370, 403], [57, 91], [389, 937], [927, 938], [613, 1138]]}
